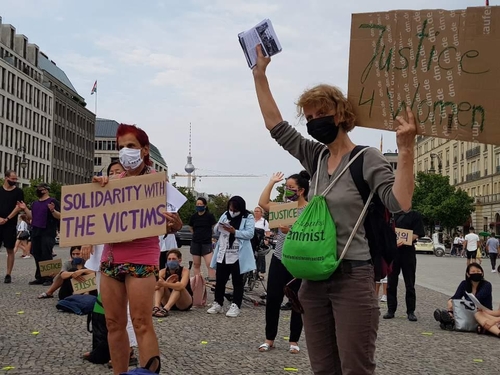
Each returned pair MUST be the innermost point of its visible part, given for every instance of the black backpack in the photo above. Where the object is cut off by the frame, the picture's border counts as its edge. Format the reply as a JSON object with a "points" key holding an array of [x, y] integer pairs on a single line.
{"points": [[379, 222]]}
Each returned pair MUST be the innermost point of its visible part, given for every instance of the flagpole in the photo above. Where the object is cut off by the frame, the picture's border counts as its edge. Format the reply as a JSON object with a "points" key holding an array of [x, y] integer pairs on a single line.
{"points": [[95, 105]]}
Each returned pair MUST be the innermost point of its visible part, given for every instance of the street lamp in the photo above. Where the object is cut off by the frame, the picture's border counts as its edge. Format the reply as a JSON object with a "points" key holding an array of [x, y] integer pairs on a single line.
{"points": [[440, 164], [21, 157]]}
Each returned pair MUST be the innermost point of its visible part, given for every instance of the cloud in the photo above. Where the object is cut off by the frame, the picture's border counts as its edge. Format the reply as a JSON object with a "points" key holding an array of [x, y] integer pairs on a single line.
{"points": [[87, 65]]}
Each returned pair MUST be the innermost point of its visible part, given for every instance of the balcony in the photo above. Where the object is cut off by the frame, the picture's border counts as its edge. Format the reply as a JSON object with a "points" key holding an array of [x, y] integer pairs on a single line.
{"points": [[473, 176], [473, 152], [488, 199]]}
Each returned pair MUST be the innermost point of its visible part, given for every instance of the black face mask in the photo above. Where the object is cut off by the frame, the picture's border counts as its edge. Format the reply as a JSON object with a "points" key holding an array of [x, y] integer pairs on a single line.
{"points": [[323, 129], [39, 193], [476, 277], [12, 183]]}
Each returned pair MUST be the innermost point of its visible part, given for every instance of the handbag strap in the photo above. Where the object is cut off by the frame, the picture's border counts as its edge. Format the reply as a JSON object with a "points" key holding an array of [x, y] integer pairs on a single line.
{"points": [[330, 186]]}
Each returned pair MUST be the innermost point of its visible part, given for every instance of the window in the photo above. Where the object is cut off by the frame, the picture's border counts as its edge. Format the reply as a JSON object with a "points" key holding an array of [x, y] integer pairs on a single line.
{"points": [[97, 161]]}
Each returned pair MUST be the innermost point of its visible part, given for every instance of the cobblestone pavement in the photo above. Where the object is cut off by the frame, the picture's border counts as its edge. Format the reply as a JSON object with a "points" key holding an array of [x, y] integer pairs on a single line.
{"points": [[231, 344]]}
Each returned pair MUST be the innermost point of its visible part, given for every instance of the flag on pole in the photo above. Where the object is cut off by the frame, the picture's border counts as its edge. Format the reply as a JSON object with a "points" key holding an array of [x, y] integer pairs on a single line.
{"points": [[381, 141], [94, 88], [487, 3]]}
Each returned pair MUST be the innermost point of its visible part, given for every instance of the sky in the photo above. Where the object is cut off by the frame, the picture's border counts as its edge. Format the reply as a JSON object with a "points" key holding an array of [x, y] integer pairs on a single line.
{"points": [[166, 64]]}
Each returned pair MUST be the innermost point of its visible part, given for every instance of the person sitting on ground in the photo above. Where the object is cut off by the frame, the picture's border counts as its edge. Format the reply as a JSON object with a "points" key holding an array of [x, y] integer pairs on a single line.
{"points": [[173, 289], [76, 272], [488, 320], [474, 283], [74, 253]]}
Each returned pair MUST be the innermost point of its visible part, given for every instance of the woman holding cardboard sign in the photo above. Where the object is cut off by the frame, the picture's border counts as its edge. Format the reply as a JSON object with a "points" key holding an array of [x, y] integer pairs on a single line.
{"points": [[296, 190], [129, 269], [341, 311]]}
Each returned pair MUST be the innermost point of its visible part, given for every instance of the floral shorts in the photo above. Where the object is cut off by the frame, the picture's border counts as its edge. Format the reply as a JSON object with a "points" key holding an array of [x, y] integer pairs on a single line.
{"points": [[120, 271]]}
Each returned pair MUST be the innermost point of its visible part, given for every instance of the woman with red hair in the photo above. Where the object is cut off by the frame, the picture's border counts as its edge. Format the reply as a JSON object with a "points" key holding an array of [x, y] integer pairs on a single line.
{"points": [[129, 269]]}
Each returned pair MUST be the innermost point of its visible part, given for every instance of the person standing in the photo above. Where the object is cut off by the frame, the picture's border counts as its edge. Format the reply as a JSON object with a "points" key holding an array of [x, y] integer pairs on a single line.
{"points": [[10, 195], [44, 215], [262, 225], [492, 246], [471, 244], [406, 262], [202, 224]]}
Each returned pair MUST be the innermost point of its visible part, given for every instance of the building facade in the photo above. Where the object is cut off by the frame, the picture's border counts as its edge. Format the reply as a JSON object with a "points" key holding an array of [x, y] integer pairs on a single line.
{"points": [[26, 109], [74, 128], [472, 167], [106, 152]]}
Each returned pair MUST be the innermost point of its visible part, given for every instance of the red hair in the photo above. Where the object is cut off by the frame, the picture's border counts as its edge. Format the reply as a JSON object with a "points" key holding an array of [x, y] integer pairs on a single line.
{"points": [[138, 133]]}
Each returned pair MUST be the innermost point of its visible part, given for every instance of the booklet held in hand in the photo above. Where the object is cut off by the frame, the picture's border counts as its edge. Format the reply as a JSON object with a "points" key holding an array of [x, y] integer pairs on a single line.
{"points": [[263, 34]]}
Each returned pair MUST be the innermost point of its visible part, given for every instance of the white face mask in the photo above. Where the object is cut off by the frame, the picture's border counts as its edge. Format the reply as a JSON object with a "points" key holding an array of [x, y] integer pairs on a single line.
{"points": [[130, 158], [233, 214]]}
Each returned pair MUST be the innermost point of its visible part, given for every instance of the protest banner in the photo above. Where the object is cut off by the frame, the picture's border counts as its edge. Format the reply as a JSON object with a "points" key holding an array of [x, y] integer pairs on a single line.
{"points": [[50, 267], [282, 214], [443, 64], [123, 210], [404, 235], [89, 284]]}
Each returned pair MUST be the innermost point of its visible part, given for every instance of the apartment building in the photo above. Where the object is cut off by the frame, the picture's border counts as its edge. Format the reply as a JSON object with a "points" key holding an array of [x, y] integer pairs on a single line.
{"points": [[470, 166], [106, 151], [26, 109], [74, 128]]}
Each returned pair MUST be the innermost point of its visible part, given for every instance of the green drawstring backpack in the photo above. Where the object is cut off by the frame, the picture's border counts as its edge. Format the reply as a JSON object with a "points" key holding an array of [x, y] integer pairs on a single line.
{"points": [[310, 248]]}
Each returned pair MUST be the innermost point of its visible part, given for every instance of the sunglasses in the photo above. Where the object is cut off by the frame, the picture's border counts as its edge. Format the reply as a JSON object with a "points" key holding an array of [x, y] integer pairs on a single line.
{"points": [[293, 298]]}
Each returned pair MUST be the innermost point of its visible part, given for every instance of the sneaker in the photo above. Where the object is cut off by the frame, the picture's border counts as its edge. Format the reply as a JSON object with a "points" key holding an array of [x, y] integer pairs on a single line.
{"points": [[383, 298], [215, 308], [233, 311], [7, 279], [493, 271], [27, 256], [36, 282]]}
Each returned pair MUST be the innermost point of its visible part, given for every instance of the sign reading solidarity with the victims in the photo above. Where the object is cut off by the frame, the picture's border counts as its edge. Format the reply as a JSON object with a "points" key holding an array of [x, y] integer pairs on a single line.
{"points": [[443, 64], [123, 210]]}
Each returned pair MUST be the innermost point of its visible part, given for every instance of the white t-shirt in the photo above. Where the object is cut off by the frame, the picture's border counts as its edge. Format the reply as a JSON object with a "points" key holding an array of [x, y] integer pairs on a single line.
{"points": [[22, 226], [262, 224], [472, 240], [94, 262], [168, 243]]}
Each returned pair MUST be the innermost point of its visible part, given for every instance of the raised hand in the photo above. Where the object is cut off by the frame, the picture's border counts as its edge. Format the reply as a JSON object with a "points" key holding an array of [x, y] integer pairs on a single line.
{"points": [[277, 177], [262, 62], [102, 180], [406, 131]]}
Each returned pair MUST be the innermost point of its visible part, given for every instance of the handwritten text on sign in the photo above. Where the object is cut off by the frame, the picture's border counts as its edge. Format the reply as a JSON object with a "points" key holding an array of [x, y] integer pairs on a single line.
{"points": [[123, 210], [50, 267], [282, 214], [443, 64], [404, 235], [89, 284]]}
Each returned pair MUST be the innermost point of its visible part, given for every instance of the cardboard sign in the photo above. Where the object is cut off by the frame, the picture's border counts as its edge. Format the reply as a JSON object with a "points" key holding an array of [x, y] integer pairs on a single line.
{"points": [[443, 64], [405, 235], [123, 210], [80, 287], [50, 267], [283, 214]]}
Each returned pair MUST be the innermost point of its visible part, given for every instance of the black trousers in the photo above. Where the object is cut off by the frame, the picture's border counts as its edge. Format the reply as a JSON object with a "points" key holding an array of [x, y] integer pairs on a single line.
{"points": [[41, 247], [406, 262], [222, 273], [493, 260], [277, 278], [261, 264]]}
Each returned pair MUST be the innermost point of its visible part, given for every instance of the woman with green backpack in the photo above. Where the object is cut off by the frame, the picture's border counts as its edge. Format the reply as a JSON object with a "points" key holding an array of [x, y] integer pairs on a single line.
{"points": [[341, 312], [279, 279]]}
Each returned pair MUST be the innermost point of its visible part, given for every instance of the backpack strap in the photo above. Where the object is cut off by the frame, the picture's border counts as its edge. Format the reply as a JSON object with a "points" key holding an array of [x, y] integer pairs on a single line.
{"points": [[356, 169]]}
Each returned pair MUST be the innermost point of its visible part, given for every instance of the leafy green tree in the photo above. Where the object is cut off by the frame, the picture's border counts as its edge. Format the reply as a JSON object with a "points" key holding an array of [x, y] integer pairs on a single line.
{"points": [[281, 192], [218, 204], [439, 202], [188, 208], [30, 191]]}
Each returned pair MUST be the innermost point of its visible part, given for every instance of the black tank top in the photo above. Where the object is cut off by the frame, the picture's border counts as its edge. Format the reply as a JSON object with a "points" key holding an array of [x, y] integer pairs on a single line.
{"points": [[178, 272]]}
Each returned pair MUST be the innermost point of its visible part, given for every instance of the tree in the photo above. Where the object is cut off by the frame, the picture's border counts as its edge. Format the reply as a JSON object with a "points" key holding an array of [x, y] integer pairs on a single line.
{"points": [[281, 192], [30, 191], [439, 202], [218, 204], [188, 208]]}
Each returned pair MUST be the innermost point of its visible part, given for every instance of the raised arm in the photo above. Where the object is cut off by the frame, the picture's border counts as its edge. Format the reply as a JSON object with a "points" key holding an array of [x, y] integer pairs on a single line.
{"points": [[268, 106], [265, 197]]}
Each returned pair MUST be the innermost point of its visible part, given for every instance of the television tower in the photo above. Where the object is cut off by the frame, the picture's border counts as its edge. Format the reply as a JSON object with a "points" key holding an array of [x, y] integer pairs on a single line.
{"points": [[189, 168]]}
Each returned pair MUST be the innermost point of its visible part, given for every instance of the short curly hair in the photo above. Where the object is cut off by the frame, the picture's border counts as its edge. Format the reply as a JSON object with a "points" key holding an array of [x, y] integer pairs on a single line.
{"points": [[328, 97]]}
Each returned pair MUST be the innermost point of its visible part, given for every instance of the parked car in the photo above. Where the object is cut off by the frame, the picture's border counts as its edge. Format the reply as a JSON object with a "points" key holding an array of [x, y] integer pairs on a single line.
{"points": [[424, 245], [184, 236]]}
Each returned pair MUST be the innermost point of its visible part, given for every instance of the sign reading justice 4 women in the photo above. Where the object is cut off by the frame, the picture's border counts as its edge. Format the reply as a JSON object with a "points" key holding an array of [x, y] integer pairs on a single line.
{"points": [[443, 64], [123, 210]]}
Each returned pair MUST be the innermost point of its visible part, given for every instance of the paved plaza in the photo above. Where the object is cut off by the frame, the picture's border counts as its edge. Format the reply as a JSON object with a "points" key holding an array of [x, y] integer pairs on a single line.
{"points": [[197, 343]]}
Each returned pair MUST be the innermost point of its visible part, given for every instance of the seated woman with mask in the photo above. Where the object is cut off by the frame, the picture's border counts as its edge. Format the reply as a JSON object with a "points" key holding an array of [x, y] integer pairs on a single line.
{"points": [[173, 289]]}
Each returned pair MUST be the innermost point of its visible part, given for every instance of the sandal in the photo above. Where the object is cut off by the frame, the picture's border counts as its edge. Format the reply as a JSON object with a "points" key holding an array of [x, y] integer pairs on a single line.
{"points": [[45, 295], [294, 349], [159, 312], [480, 330], [265, 347]]}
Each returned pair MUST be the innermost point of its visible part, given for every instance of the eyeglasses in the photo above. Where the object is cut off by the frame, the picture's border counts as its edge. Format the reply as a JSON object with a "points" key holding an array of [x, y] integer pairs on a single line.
{"points": [[293, 298]]}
